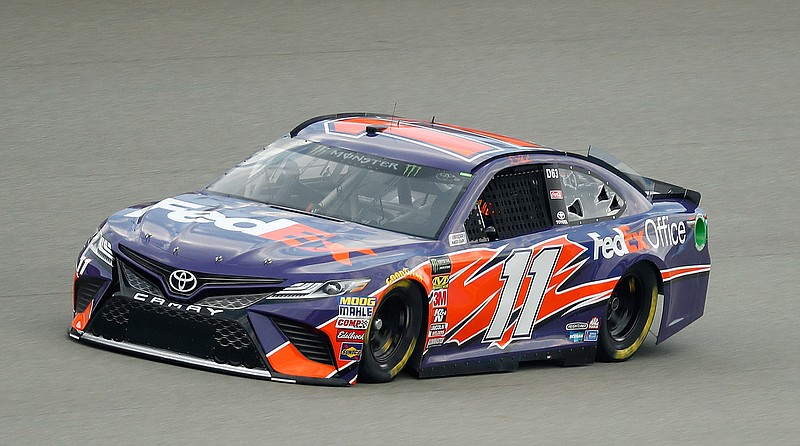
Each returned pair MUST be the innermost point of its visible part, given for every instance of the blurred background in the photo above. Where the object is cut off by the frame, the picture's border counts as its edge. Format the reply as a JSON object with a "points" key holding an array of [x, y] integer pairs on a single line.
{"points": [[109, 103]]}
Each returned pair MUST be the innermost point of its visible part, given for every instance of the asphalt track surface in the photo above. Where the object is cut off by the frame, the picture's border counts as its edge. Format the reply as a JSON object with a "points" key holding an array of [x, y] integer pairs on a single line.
{"points": [[108, 103]]}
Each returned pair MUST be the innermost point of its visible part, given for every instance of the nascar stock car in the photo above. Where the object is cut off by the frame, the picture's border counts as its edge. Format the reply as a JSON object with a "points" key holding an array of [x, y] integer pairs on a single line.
{"points": [[359, 245]]}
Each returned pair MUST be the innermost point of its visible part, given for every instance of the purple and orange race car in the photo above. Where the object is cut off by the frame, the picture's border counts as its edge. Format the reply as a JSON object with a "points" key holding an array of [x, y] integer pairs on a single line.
{"points": [[359, 245]]}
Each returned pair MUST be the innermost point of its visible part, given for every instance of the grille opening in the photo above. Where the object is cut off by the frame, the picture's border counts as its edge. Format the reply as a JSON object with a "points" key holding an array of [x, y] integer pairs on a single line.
{"points": [[312, 343], [208, 285], [221, 340], [86, 288]]}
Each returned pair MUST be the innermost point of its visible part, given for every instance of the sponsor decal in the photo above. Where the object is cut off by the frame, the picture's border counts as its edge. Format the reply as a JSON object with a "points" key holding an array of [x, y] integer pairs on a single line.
{"points": [[281, 230], [594, 324], [411, 170], [576, 336], [351, 351], [355, 159], [441, 265], [577, 326], [520, 159], [398, 275], [551, 173], [440, 282], [352, 323], [433, 342], [439, 315], [350, 336], [561, 218], [658, 233], [439, 298], [362, 301], [355, 311], [437, 329], [458, 239], [182, 281], [160, 301], [590, 335], [556, 194]]}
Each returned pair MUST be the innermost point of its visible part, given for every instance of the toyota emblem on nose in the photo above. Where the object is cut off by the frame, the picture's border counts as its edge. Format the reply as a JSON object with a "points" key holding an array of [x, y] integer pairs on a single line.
{"points": [[182, 281]]}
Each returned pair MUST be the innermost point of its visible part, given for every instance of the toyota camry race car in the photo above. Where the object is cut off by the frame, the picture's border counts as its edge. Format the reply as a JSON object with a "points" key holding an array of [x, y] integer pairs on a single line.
{"points": [[359, 245]]}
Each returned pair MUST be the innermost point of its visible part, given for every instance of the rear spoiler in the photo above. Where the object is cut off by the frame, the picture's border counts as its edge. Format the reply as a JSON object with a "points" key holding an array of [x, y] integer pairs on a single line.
{"points": [[660, 190], [650, 188]]}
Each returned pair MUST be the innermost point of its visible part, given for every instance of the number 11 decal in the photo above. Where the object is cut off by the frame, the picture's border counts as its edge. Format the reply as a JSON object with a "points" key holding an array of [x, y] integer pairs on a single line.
{"points": [[515, 268]]}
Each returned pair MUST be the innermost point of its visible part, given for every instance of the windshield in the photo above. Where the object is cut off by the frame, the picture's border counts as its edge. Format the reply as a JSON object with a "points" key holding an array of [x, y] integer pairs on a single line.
{"points": [[347, 185]]}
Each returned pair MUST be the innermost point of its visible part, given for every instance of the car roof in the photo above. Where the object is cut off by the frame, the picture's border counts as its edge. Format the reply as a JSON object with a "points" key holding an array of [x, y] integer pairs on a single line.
{"points": [[428, 143]]}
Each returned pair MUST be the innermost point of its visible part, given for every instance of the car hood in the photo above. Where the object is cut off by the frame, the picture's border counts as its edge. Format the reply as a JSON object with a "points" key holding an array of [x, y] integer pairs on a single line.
{"points": [[223, 235]]}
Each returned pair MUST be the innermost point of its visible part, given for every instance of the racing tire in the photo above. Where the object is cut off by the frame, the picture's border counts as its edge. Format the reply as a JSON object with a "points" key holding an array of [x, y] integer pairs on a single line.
{"points": [[629, 315], [392, 335]]}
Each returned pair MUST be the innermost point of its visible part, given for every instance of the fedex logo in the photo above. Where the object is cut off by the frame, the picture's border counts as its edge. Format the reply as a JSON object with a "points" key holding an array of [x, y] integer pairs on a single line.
{"points": [[655, 234], [281, 230]]}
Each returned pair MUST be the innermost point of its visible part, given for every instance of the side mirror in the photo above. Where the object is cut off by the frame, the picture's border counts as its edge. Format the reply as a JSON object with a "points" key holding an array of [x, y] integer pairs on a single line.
{"points": [[491, 233]]}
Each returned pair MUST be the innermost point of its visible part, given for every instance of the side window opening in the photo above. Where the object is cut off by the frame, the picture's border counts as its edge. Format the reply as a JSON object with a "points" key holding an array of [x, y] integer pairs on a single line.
{"points": [[513, 204], [578, 196]]}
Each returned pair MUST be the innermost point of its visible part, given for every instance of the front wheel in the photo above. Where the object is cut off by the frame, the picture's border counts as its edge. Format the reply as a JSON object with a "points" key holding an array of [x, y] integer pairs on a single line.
{"points": [[629, 315], [392, 335]]}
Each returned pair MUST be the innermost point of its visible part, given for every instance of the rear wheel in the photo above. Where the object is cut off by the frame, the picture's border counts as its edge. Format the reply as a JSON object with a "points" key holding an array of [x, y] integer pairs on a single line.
{"points": [[392, 335], [629, 315]]}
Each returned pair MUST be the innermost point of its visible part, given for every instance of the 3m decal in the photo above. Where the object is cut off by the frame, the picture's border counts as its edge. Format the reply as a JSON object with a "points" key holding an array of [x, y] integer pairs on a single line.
{"points": [[439, 298]]}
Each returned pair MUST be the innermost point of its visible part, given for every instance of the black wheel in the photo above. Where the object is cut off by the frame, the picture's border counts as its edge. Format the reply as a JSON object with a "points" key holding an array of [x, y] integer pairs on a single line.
{"points": [[392, 335], [629, 315]]}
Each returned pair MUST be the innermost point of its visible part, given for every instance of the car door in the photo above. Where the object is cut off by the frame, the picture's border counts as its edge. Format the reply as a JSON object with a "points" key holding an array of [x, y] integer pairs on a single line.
{"points": [[498, 268]]}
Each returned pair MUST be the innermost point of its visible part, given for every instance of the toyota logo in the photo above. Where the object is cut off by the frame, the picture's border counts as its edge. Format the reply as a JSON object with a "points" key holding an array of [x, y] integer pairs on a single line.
{"points": [[182, 281]]}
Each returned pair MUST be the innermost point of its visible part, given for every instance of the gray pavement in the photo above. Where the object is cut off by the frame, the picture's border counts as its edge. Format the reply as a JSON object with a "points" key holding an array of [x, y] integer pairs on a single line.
{"points": [[108, 103]]}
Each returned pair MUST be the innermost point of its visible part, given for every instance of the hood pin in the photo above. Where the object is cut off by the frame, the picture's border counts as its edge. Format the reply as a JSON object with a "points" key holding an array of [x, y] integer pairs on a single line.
{"points": [[175, 251], [218, 259]]}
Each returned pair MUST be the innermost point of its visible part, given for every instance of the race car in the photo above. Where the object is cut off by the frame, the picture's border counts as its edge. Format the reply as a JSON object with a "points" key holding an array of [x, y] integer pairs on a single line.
{"points": [[361, 245]]}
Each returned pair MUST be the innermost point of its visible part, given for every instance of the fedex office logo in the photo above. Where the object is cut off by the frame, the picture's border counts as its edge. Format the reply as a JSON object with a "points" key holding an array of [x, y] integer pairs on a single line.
{"points": [[655, 234]]}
